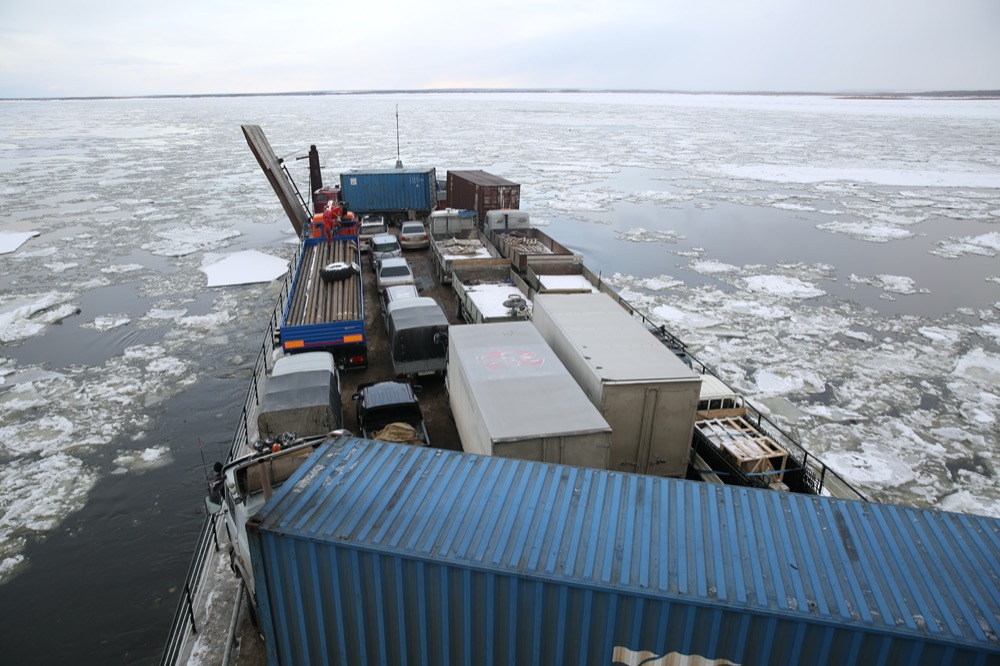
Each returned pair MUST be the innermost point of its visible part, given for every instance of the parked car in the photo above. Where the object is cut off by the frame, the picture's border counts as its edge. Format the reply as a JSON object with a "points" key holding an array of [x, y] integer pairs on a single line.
{"points": [[371, 225], [393, 271], [397, 293], [413, 235], [384, 246], [389, 411]]}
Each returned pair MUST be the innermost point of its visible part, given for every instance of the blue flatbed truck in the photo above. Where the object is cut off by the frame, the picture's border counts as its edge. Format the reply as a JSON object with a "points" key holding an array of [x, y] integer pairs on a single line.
{"points": [[323, 314]]}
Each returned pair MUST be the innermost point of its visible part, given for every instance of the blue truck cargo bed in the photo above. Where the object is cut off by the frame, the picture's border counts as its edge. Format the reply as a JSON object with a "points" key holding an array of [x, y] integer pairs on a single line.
{"points": [[383, 553], [320, 315]]}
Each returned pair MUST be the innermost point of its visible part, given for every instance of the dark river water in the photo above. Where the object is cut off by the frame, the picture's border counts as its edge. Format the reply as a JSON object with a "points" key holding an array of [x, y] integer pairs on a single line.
{"points": [[833, 259]]}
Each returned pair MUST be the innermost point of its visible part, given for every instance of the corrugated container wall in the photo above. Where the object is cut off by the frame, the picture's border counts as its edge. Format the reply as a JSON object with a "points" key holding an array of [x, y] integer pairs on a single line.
{"points": [[481, 191], [647, 395], [378, 553], [389, 190], [511, 397]]}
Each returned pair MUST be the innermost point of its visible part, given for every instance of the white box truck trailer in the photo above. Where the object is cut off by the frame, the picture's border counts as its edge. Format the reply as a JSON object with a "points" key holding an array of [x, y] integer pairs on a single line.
{"points": [[512, 397], [647, 395]]}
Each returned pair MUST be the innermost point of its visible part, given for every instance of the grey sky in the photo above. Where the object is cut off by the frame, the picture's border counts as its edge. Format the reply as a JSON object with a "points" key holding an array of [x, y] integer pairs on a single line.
{"points": [[118, 47]]}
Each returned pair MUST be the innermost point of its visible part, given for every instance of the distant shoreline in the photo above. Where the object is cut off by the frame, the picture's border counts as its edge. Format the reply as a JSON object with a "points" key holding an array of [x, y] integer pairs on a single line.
{"points": [[943, 94]]}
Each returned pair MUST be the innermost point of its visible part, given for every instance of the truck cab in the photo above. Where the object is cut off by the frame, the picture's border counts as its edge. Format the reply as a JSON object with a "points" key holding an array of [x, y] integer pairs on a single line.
{"points": [[243, 486], [717, 401]]}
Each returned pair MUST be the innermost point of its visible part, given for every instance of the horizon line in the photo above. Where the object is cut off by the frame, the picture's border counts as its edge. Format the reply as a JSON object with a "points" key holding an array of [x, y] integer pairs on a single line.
{"points": [[873, 94]]}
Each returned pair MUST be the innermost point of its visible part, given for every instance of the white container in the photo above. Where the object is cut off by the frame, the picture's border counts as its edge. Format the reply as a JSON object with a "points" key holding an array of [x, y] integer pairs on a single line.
{"points": [[512, 397], [647, 394]]}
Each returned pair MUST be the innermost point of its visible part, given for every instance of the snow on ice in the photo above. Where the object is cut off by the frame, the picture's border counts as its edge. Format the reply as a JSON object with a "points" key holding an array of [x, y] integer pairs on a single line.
{"points": [[11, 240], [244, 267]]}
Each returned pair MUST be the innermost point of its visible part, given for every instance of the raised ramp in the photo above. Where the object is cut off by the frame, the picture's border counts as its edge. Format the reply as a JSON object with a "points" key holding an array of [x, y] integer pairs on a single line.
{"points": [[283, 186]]}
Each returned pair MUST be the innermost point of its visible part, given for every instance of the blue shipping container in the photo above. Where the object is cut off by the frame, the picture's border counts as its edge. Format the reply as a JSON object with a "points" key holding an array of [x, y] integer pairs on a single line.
{"points": [[389, 190], [383, 553]]}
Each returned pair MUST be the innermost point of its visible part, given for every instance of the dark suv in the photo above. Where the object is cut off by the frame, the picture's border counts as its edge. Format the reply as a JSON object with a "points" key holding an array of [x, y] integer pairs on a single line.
{"points": [[389, 411]]}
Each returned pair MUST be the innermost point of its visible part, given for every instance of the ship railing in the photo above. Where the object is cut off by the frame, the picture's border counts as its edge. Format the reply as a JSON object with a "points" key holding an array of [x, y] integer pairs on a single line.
{"points": [[817, 477], [185, 622], [660, 331], [820, 478]]}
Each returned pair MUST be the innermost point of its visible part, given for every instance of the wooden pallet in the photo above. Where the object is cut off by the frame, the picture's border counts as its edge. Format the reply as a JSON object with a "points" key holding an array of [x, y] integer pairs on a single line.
{"points": [[741, 442]]}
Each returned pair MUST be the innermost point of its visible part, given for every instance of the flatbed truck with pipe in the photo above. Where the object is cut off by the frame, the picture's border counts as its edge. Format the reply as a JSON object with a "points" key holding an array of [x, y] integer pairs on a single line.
{"points": [[325, 306]]}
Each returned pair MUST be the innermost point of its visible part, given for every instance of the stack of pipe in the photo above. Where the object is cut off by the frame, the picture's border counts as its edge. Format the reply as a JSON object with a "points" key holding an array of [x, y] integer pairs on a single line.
{"points": [[317, 301]]}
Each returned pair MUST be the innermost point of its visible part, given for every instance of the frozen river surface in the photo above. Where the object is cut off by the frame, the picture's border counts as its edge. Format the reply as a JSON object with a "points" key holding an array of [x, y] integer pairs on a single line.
{"points": [[834, 259]]}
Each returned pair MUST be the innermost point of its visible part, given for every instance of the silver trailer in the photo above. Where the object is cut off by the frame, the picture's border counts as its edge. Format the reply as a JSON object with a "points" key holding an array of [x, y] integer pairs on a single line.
{"points": [[512, 397], [645, 392]]}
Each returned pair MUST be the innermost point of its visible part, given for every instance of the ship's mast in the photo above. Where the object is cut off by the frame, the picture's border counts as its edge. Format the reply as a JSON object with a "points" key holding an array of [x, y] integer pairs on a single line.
{"points": [[399, 162]]}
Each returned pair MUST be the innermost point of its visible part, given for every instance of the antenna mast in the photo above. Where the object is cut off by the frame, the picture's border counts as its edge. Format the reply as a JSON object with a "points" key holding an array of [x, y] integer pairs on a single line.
{"points": [[399, 162]]}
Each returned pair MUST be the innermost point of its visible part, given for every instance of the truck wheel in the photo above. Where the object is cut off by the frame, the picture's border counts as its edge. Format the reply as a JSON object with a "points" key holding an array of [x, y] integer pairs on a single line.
{"points": [[251, 606]]}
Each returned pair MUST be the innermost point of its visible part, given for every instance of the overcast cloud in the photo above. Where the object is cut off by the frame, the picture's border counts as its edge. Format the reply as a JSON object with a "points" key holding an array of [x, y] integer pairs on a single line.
{"points": [[52, 48]]}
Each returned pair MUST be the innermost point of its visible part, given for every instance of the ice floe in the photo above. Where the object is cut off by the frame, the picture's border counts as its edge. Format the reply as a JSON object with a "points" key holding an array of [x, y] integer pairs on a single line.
{"points": [[783, 286], [181, 241], [981, 365], [804, 174], [897, 284], [873, 233], [146, 459], [38, 493], [986, 245], [10, 241], [640, 235], [244, 267], [105, 323], [711, 267], [23, 316]]}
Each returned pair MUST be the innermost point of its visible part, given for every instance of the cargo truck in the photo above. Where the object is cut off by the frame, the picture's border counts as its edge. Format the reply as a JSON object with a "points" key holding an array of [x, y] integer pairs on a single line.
{"points": [[511, 233], [510, 396], [486, 294], [451, 222], [321, 314], [243, 486], [456, 240], [647, 395], [398, 194]]}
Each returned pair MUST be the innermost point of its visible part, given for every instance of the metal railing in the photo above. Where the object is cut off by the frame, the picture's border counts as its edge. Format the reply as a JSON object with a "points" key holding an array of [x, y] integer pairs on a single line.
{"points": [[185, 622], [816, 475]]}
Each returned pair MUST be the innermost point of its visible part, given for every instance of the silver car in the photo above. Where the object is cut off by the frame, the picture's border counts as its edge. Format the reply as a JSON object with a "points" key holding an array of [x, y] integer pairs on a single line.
{"points": [[413, 235], [392, 271], [384, 246]]}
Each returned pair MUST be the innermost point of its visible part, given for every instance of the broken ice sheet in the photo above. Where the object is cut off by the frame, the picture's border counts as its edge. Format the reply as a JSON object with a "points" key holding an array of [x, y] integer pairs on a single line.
{"points": [[244, 267]]}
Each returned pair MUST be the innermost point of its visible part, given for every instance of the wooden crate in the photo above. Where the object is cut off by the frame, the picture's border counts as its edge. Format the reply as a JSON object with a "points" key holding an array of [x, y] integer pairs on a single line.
{"points": [[751, 451]]}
